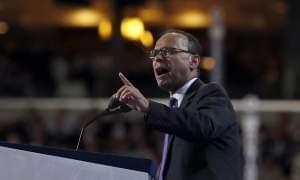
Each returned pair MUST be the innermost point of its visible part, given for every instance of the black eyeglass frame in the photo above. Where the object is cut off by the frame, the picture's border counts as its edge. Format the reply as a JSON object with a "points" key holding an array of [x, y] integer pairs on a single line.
{"points": [[166, 51]]}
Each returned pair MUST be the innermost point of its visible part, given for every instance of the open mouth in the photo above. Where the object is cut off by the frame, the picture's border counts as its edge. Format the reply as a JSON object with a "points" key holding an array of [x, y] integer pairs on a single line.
{"points": [[161, 70]]}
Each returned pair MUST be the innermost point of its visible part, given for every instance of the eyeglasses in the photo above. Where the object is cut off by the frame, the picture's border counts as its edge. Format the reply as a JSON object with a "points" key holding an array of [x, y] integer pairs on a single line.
{"points": [[165, 52]]}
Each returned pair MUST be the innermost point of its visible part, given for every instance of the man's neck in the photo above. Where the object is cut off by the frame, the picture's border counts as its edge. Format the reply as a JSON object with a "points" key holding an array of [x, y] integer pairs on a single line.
{"points": [[180, 93], [171, 92]]}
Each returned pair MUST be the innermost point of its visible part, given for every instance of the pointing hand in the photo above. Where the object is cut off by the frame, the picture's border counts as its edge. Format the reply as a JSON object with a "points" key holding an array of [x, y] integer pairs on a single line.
{"points": [[131, 96]]}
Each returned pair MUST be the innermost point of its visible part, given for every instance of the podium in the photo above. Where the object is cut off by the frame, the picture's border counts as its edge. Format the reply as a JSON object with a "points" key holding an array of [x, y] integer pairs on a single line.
{"points": [[28, 162]]}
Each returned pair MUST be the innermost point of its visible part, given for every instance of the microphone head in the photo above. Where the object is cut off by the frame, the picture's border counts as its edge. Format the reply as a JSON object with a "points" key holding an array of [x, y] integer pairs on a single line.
{"points": [[117, 106]]}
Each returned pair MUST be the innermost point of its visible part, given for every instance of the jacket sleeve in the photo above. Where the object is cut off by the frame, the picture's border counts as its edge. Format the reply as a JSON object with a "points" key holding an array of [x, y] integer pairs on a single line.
{"points": [[205, 118]]}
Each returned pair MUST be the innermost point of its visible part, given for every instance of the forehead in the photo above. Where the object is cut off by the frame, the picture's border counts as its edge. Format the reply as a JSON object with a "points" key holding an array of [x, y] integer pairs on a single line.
{"points": [[175, 40]]}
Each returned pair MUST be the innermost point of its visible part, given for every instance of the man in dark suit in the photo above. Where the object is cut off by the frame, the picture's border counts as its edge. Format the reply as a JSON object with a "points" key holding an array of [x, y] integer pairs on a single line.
{"points": [[201, 135]]}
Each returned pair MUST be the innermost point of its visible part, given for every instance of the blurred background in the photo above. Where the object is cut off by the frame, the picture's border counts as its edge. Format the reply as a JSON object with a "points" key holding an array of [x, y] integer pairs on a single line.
{"points": [[59, 61]]}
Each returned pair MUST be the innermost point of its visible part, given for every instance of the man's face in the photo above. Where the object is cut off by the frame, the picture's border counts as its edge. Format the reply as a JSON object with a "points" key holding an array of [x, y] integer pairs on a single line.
{"points": [[173, 70]]}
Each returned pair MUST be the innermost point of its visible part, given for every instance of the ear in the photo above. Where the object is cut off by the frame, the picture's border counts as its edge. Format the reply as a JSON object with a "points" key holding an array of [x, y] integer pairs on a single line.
{"points": [[194, 62]]}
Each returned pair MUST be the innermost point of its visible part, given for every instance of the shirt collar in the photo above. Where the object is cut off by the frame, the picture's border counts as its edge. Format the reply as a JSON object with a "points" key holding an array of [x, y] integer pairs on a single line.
{"points": [[179, 93]]}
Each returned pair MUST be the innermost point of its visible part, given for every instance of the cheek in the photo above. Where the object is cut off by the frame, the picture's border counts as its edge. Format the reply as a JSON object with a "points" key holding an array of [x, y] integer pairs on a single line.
{"points": [[180, 67], [153, 63], [181, 72]]}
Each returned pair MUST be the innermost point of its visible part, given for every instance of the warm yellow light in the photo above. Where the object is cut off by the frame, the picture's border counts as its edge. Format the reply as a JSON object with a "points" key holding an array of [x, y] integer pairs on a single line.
{"points": [[192, 19], [151, 15], [84, 18], [132, 28], [147, 39], [105, 29], [3, 27], [208, 63]]}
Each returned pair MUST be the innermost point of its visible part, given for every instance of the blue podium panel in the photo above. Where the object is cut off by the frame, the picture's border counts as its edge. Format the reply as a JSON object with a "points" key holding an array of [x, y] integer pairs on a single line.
{"points": [[26, 162]]}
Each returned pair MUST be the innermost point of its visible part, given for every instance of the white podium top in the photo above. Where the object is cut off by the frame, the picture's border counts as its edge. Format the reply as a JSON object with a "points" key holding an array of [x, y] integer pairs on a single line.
{"points": [[19, 163]]}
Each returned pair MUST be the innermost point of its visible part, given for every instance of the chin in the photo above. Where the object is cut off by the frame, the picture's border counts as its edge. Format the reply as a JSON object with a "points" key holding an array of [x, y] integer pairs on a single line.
{"points": [[166, 86], [162, 85]]}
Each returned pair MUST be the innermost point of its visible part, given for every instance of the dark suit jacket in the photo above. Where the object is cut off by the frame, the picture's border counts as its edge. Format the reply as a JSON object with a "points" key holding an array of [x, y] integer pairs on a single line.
{"points": [[205, 140]]}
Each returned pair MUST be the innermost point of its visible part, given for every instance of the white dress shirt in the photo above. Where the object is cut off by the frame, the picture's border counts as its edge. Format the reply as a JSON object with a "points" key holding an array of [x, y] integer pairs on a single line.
{"points": [[179, 93]]}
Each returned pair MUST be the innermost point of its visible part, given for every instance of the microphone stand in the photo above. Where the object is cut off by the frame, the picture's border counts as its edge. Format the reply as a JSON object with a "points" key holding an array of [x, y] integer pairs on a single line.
{"points": [[112, 109], [101, 114]]}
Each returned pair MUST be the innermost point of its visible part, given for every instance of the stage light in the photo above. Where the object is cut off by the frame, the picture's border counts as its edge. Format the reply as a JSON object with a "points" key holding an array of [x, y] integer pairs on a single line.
{"points": [[147, 39], [105, 29], [132, 28], [84, 17], [151, 15], [191, 19], [3, 27], [208, 63]]}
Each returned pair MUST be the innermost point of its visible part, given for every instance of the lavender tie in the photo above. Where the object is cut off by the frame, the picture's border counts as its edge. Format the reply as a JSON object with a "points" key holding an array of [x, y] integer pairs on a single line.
{"points": [[172, 104]]}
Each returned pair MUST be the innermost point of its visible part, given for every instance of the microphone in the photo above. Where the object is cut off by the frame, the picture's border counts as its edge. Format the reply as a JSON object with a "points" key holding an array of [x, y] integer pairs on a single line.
{"points": [[117, 106], [114, 106]]}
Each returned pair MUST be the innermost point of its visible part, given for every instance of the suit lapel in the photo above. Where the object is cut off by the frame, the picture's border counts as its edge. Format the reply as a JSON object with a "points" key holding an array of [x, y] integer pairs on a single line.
{"points": [[189, 94]]}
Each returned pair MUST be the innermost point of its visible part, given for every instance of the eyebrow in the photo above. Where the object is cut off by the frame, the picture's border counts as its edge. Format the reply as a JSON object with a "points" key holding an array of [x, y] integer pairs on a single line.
{"points": [[167, 47]]}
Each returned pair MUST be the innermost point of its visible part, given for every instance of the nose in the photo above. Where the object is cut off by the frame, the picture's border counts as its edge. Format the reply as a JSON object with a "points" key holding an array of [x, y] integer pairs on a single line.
{"points": [[159, 57]]}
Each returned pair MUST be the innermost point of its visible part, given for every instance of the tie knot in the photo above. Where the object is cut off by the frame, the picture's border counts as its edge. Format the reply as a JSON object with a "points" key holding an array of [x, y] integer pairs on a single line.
{"points": [[173, 102]]}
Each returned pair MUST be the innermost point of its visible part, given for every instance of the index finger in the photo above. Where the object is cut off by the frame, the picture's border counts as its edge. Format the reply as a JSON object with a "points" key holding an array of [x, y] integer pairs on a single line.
{"points": [[125, 80]]}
